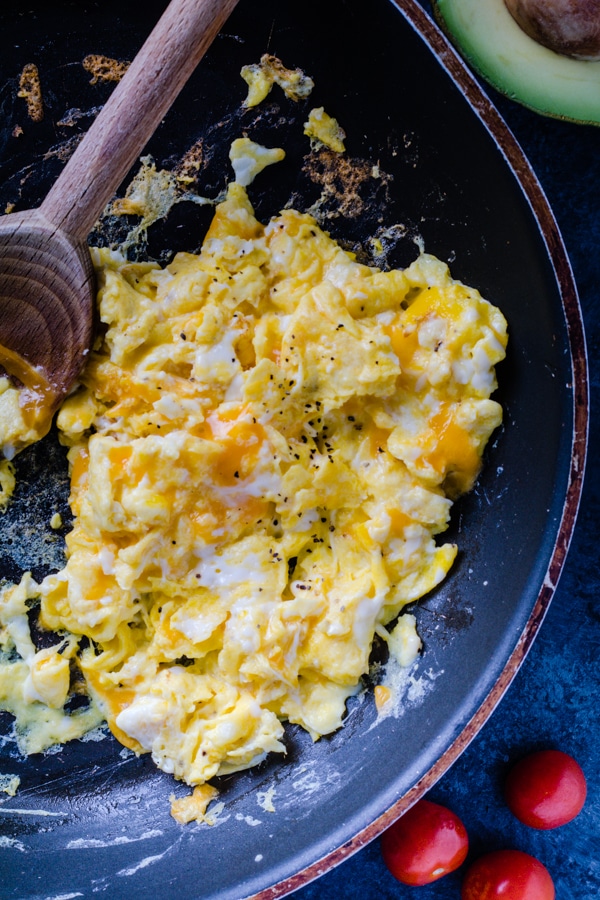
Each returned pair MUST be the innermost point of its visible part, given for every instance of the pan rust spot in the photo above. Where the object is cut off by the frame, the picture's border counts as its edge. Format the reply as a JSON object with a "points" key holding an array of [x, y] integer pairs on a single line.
{"points": [[30, 90], [104, 68], [344, 183], [191, 164]]}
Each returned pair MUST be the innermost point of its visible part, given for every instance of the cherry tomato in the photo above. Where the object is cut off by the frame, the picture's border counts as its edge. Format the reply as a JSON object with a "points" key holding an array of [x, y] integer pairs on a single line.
{"points": [[507, 875], [425, 844], [545, 789]]}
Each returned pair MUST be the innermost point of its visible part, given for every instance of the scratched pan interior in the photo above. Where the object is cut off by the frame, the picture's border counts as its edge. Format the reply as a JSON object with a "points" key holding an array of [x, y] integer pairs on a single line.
{"points": [[90, 819]]}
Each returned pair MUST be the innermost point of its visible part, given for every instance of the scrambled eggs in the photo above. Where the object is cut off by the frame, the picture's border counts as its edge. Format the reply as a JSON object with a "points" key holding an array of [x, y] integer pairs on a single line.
{"points": [[260, 78], [267, 440]]}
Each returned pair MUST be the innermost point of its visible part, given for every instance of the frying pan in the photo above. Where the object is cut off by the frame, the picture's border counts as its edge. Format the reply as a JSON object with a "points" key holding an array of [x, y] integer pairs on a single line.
{"points": [[91, 818]]}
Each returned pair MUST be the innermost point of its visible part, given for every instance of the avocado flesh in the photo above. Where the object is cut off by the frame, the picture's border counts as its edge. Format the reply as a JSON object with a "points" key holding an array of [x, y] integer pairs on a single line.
{"points": [[499, 50]]}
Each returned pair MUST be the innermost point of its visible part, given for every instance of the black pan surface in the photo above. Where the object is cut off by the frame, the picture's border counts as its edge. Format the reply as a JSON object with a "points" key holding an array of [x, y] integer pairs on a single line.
{"points": [[92, 819]]}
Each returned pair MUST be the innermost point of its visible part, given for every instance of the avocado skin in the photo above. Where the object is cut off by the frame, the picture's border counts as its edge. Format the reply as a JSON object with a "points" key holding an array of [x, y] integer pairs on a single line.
{"points": [[492, 42]]}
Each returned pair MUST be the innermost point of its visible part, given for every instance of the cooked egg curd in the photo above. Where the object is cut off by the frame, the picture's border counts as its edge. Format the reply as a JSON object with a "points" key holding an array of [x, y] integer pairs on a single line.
{"points": [[266, 443]]}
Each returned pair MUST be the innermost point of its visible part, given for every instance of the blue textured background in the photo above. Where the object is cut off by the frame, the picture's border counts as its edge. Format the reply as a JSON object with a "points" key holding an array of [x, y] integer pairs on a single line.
{"points": [[553, 702]]}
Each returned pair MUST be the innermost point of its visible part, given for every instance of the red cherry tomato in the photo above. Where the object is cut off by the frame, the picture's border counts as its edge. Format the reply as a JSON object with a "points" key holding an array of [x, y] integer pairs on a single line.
{"points": [[428, 842], [545, 789], [507, 875]]}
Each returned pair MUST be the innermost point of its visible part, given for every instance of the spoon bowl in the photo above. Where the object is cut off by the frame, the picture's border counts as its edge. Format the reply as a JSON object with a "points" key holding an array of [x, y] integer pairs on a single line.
{"points": [[47, 291], [47, 285]]}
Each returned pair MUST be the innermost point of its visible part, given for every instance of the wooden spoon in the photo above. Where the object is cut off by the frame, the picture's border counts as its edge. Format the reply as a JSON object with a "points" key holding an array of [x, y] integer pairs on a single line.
{"points": [[47, 286]]}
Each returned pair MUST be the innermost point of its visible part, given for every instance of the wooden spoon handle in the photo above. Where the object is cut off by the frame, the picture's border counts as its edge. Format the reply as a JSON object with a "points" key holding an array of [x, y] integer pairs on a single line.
{"points": [[132, 113]]}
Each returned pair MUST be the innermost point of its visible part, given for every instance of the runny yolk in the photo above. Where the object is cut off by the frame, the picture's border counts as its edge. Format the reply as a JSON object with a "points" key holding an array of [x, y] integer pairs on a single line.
{"points": [[120, 456], [404, 344], [378, 438], [240, 444], [404, 332], [447, 303], [37, 396], [113, 701], [454, 450], [79, 469], [398, 521]]}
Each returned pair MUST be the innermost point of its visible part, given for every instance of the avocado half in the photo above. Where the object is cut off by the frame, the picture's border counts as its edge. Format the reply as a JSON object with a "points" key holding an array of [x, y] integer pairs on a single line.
{"points": [[498, 49]]}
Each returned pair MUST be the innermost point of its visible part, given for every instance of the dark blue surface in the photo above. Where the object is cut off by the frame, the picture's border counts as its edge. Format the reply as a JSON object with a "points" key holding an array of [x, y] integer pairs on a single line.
{"points": [[553, 701]]}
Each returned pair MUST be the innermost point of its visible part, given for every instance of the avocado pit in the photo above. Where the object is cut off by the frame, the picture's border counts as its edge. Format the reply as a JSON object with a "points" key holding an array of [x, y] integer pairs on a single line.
{"points": [[543, 74], [568, 27]]}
